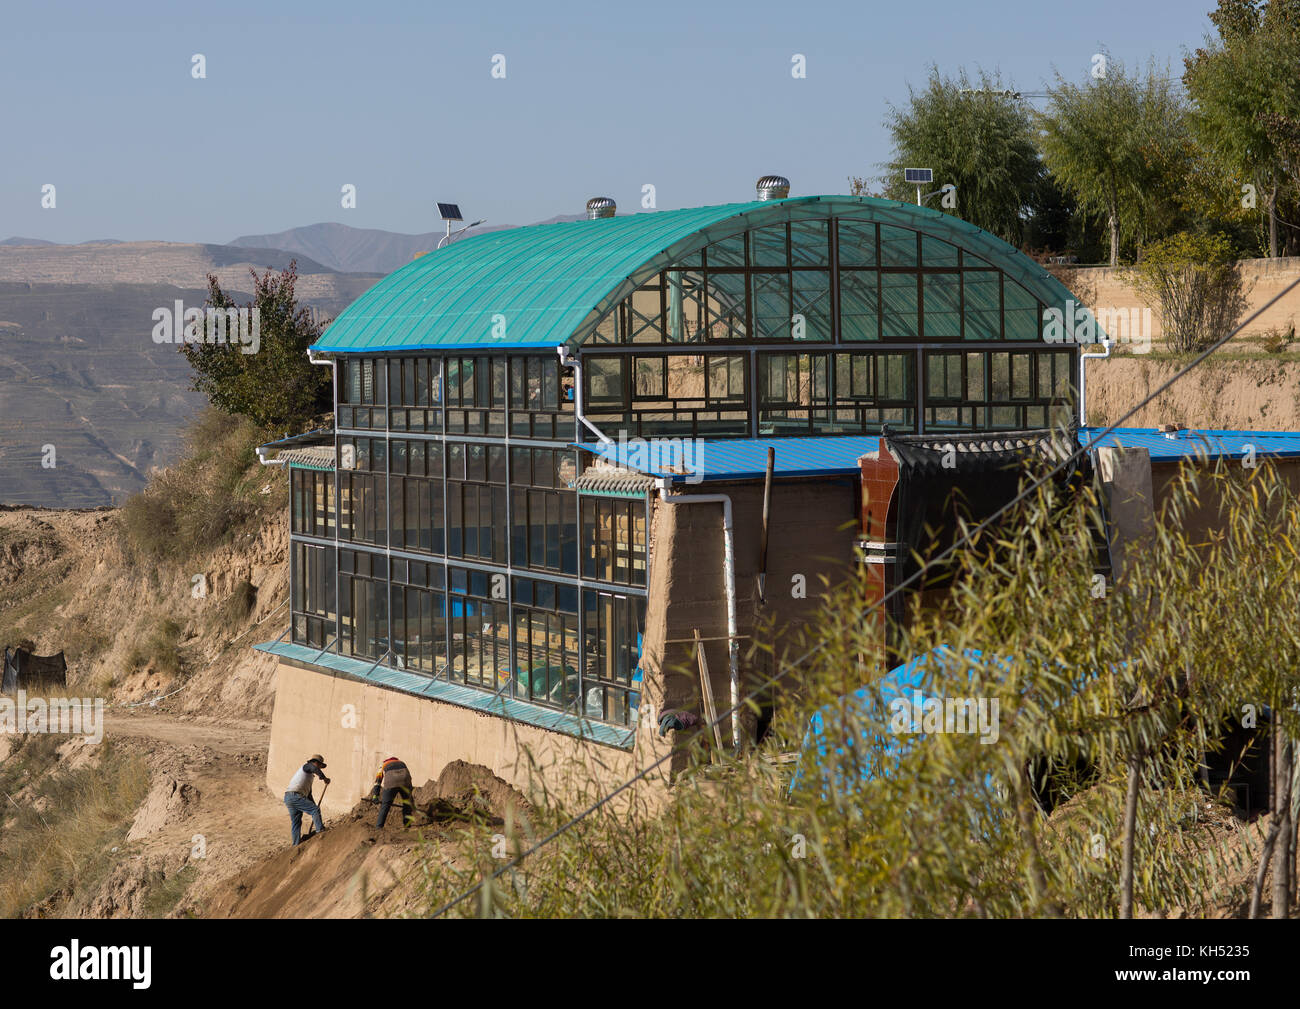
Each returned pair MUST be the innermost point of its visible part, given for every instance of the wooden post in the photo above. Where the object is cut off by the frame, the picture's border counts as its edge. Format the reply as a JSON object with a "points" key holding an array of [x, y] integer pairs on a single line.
{"points": [[706, 692]]}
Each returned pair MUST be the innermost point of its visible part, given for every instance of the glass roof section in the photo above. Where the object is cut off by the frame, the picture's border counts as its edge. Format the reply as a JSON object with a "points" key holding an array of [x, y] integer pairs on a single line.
{"points": [[548, 284]]}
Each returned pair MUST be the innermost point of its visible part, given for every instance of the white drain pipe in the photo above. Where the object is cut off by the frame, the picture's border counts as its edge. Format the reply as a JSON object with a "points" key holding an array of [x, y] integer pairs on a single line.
{"points": [[729, 574], [571, 361], [1084, 358]]}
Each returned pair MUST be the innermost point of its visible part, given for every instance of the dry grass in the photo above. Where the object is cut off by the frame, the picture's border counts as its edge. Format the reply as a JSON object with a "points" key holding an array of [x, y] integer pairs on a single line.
{"points": [[205, 499], [47, 856]]}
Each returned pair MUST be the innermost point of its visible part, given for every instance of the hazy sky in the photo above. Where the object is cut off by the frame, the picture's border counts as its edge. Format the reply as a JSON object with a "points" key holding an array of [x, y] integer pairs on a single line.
{"points": [[398, 99]]}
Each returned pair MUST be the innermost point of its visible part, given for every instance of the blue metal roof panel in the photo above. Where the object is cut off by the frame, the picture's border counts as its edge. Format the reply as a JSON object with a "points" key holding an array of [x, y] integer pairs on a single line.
{"points": [[685, 460], [1192, 443]]}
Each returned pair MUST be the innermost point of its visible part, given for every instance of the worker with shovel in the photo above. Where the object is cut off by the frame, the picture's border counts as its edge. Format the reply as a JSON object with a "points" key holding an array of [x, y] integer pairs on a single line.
{"points": [[393, 783], [298, 798]]}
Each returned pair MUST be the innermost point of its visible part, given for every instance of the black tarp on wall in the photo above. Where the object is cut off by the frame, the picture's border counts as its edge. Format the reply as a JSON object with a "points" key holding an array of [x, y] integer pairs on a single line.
{"points": [[32, 672]]}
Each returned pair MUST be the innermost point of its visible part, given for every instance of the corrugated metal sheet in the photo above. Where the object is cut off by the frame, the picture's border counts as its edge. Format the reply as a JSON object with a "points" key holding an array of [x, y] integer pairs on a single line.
{"points": [[451, 693], [746, 458], [317, 457], [320, 436], [600, 478], [739, 459], [551, 283], [1197, 442]]}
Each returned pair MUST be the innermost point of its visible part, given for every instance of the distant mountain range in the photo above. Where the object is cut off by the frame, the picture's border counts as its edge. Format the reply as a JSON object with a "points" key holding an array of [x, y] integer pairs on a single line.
{"points": [[319, 248], [182, 264], [79, 369], [363, 250]]}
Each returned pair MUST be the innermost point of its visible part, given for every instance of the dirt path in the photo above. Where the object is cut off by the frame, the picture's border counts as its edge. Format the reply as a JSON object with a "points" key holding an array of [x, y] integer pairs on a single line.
{"points": [[228, 738], [209, 808]]}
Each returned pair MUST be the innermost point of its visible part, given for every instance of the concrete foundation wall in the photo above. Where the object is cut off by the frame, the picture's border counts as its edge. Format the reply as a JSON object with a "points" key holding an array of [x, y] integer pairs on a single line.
{"points": [[355, 725]]}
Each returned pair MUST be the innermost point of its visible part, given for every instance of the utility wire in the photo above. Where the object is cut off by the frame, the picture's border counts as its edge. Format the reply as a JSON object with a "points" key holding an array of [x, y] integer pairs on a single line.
{"points": [[960, 542]]}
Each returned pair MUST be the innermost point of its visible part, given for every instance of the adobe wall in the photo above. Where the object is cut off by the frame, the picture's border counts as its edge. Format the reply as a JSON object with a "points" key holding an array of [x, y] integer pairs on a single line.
{"points": [[1111, 287], [814, 525], [355, 725], [1204, 515]]}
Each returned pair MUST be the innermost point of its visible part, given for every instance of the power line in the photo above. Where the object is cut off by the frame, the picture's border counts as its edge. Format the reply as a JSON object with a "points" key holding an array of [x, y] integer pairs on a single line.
{"points": [[960, 542]]}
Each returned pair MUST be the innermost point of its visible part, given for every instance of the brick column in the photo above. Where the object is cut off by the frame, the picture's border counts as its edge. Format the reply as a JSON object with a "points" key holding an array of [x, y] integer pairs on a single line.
{"points": [[879, 536]]}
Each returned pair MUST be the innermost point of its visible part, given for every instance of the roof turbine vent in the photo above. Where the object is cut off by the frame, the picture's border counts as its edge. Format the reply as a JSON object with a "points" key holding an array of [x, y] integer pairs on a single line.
{"points": [[601, 206], [773, 187]]}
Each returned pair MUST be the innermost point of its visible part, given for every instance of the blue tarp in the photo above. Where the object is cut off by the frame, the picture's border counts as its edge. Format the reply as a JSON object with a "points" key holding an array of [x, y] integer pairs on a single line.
{"points": [[867, 748]]}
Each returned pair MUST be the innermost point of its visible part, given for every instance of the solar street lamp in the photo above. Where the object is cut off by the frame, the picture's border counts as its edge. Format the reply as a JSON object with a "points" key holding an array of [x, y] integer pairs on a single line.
{"points": [[919, 177], [450, 212]]}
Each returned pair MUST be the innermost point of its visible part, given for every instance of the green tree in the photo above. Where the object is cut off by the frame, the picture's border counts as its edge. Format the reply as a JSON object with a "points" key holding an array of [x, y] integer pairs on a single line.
{"points": [[1247, 92], [1196, 280], [275, 385], [1119, 144], [978, 138]]}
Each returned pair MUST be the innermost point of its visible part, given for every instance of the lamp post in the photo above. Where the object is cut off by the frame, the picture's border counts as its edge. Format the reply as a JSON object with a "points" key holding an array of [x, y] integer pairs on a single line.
{"points": [[920, 200], [451, 212]]}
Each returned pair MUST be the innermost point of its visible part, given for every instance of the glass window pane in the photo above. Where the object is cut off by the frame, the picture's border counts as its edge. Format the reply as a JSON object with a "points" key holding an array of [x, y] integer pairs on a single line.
{"points": [[650, 378], [857, 244], [899, 317], [859, 305], [812, 301], [772, 306], [941, 307], [767, 246], [1020, 386], [1022, 319], [727, 252], [604, 377], [810, 243], [937, 253], [982, 302], [975, 390], [727, 314], [943, 376], [897, 246]]}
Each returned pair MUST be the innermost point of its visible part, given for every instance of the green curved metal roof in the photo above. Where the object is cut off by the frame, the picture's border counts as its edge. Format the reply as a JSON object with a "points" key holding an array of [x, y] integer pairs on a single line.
{"points": [[552, 283]]}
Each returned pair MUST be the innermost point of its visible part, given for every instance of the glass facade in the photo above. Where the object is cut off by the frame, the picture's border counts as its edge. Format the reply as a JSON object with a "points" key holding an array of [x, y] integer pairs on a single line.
{"points": [[450, 539], [460, 547], [888, 296]]}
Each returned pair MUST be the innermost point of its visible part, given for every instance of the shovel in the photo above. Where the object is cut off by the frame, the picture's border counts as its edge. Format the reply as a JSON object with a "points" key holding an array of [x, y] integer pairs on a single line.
{"points": [[312, 832]]}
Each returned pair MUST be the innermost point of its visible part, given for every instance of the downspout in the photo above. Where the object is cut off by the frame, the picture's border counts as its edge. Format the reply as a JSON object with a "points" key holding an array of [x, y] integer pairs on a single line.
{"points": [[729, 575], [1084, 358], [571, 361], [333, 362], [329, 362]]}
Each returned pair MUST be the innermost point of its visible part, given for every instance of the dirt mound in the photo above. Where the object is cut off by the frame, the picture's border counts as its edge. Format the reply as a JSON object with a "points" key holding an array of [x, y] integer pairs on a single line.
{"points": [[464, 788], [169, 801], [354, 869], [350, 870]]}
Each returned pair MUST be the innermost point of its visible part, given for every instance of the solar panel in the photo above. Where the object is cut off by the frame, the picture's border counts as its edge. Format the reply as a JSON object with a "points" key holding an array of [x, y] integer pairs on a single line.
{"points": [[450, 212], [919, 175]]}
